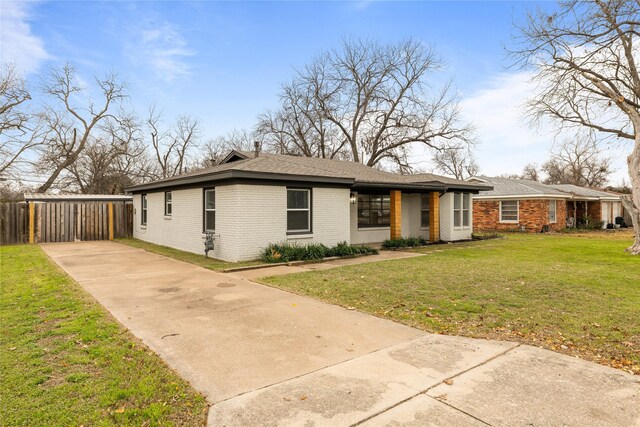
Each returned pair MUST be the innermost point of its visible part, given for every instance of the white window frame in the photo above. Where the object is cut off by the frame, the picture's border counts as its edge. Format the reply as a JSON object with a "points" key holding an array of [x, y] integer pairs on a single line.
{"points": [[307, 209], [422, 209], [168, 203], [510, 221], [143, 209], [457, 213], [466, 209], [553, 203], [205, 210]]}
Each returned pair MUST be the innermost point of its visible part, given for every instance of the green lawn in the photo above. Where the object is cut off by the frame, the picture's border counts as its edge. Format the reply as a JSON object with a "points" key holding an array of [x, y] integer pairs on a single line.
{"points": [[577, 294], [65, 361], [197, 259]]}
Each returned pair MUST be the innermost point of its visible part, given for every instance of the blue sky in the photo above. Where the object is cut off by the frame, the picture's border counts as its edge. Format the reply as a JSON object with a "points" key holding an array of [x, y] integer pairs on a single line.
{"points": [[223, 62]]}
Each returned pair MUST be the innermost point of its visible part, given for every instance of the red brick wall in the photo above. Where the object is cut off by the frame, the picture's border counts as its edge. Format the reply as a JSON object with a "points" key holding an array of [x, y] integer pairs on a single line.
{"points": [[594, 209], [533, 214]]}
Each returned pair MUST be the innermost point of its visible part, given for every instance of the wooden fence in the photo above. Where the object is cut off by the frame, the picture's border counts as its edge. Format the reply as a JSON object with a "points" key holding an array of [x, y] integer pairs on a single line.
{"points": [[64, 221]]}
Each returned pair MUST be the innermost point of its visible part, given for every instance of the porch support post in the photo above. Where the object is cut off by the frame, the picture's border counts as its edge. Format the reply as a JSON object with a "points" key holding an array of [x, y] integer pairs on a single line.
{"points": [[434, 217], [396, 214]]}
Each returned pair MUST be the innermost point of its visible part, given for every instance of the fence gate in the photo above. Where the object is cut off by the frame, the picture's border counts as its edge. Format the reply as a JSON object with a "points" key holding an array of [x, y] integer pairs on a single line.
{"points": [[64, 221]]}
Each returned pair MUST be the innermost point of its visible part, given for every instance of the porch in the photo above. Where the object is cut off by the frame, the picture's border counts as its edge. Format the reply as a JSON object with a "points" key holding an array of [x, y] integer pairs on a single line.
{"points": [[583, 212]]}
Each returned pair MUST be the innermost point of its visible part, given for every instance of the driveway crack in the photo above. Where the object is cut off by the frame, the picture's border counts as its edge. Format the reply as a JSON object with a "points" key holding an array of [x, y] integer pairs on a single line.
{"points": [[425, 391]]}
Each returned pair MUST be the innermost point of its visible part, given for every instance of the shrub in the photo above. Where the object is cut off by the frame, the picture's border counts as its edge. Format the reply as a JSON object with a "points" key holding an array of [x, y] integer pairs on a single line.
{"points": [[343, 249], [486, 235], [287, 252], [405, 242]]}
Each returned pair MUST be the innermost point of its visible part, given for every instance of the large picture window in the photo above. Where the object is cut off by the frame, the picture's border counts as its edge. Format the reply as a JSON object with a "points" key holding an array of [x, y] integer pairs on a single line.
{"points": [[509, 211], [552, 211], [424, 210], [374, 210], [298, 210], [210, 209], [168, 204], [143, 209]]}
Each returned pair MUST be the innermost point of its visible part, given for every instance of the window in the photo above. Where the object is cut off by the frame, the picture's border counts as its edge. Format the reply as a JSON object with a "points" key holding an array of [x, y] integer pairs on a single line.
{"points": [[210, 209], [167, 203], [374, 210], [424, 210], [298, 210], [143, 209], [552, 211], [457, 205], [466, 208], [509, 211]]}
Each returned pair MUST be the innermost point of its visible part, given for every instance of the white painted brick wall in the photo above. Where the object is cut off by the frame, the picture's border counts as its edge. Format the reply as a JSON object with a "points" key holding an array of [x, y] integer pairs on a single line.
{"points": [[248, 218], [448, 232], [182, 230]]}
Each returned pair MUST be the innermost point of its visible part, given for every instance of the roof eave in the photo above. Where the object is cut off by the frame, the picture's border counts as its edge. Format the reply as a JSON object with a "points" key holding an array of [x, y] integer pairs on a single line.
{"points": [[239, 174], [522, 196]]}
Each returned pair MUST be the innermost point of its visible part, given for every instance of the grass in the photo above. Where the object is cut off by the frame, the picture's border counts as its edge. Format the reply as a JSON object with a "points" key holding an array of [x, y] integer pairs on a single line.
{"points": [[65, 361], [197, 259], [576, 294]]}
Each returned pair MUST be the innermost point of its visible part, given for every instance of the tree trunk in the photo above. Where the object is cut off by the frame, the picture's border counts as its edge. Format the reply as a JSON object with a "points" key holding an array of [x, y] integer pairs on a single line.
{"points": [[632, 202], [627, 202]]}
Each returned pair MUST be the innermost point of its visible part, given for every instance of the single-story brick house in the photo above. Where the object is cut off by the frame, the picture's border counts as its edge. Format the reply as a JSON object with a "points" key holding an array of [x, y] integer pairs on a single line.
{"points": [[250, 200], [517, 204]]}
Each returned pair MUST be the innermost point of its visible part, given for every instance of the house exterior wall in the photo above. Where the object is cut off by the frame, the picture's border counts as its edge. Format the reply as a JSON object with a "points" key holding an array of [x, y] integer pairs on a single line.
{"points": [[533, 214], [248, 218], [448, 232], [594, 210], [410, 223], [178, 231]]}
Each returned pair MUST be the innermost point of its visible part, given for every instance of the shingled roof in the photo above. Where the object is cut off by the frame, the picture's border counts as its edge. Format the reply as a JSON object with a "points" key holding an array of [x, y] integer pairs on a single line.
{"points": [[244, 165], [522, 188]]}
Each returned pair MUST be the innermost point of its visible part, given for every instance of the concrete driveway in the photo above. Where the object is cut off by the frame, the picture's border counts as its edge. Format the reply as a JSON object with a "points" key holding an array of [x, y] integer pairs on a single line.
{"points": [[267, 357]]}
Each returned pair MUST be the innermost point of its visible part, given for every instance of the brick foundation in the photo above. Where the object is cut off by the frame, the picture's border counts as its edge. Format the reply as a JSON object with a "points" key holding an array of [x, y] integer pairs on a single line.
{"points": [[533, 215]]}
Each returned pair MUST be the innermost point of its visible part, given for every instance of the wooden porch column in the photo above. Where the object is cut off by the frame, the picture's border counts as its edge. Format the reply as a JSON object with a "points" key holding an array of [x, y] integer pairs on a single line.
{"points": [[434, 217], [396, 214]]}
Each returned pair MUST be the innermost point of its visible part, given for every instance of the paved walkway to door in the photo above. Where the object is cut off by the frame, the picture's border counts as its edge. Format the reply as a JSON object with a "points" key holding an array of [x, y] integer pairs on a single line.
{"points": [[266, 357]]}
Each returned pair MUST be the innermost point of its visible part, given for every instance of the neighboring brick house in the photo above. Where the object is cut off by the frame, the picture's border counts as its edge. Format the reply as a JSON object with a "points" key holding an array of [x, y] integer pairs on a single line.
{"points": [[522, 205], [250, 200]]}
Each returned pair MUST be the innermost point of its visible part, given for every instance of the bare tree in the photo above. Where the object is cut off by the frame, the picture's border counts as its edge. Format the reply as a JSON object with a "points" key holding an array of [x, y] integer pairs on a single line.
{"points": [[172, 147], [215, 149], [299, 127], [69, 129], [531, 172], [586, 63], [366, 102], [112, 160], [17, 135], [457, 161], [579, 162]]}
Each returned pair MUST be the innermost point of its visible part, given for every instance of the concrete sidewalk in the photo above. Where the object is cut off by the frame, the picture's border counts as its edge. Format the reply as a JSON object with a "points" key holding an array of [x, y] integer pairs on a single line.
{"points": [[266, 357], [279, 270]]}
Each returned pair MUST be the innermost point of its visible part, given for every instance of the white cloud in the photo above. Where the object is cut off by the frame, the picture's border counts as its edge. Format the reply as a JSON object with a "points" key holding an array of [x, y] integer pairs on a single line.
{"points": [[161, 47], [19, 45], [507, 142]]}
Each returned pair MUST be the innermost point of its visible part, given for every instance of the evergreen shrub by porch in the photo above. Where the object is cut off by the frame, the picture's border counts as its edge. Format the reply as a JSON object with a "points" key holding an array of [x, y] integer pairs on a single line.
{"points": [[286, 252], [405, 242]]}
